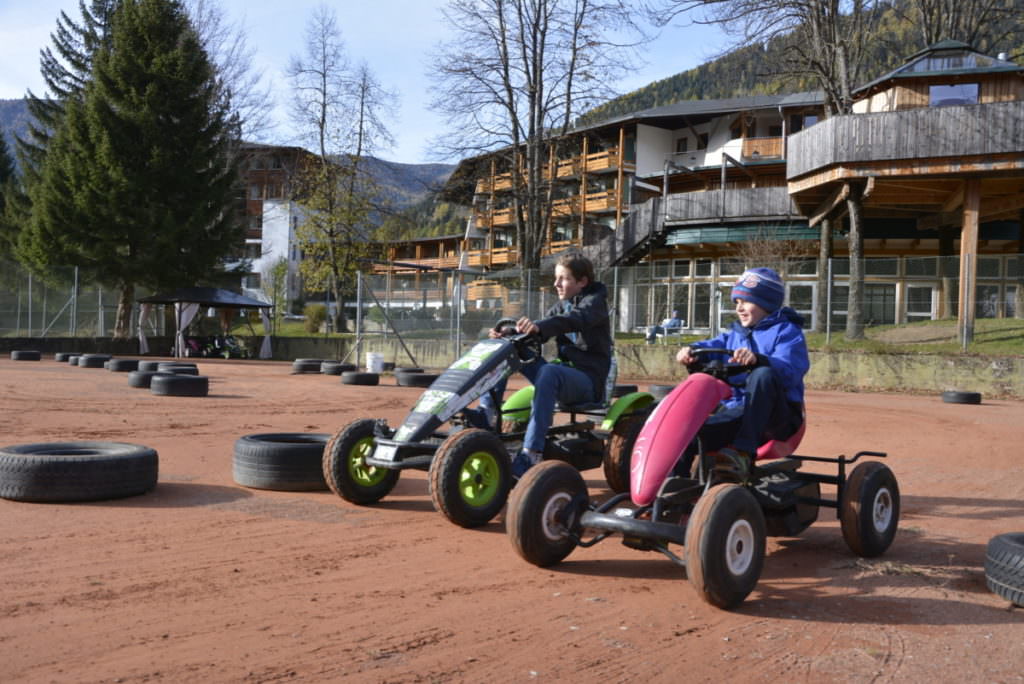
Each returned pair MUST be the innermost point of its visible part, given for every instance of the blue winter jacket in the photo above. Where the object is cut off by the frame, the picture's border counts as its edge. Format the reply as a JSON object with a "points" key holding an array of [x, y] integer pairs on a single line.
{"points": [[778, 341]]}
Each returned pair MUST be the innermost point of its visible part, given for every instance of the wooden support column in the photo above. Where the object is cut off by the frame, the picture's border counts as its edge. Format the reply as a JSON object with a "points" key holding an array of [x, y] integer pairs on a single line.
{"points": [[969, 259]]}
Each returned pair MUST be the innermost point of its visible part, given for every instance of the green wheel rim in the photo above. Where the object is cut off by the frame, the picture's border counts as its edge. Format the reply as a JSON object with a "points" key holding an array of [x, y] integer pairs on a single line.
{"points": [[479, 479], [362, 474]]}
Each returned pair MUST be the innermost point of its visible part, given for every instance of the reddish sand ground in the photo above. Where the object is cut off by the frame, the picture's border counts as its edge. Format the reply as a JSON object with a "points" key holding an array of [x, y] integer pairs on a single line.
{"points": [[204, 580]]}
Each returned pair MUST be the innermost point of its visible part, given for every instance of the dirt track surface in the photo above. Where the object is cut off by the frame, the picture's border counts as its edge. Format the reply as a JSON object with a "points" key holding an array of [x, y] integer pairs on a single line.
{"points": [[204, 580]]}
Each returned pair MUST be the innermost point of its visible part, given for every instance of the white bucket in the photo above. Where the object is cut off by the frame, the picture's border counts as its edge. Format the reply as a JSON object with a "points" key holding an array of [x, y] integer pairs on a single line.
{"points": [[374, 362]]}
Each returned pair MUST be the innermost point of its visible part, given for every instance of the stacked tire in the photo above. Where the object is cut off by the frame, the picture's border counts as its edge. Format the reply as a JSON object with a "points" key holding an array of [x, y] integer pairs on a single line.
{"points": [[280, 461]]}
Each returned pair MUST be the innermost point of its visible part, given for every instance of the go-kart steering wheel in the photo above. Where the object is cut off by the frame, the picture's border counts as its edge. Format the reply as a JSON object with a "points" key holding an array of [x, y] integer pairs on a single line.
{"points": [[715, 367], [528, 346], [506, 327]]}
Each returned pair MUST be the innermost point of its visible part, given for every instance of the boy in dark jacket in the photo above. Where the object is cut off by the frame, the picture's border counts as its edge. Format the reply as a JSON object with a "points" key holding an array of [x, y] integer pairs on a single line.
{"points": [[581, 327], [767, 402]]}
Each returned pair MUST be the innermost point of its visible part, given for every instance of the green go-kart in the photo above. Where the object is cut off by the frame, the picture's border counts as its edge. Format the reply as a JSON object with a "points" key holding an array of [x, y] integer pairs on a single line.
{"points": [[470, 468]]}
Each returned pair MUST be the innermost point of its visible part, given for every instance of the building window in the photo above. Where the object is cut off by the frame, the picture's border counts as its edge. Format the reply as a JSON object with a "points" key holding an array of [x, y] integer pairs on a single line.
{"points": [[703, 267], [775, 131], [920, 303], [879, 304], [251, 281], [681, 268], [682, 145], [731, 267], [702, 141], [801, 300], [955, 94]]}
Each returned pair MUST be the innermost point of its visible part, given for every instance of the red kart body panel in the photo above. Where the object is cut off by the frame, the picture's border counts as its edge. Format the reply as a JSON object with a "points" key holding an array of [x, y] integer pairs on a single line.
{"points": [[673, 425]]}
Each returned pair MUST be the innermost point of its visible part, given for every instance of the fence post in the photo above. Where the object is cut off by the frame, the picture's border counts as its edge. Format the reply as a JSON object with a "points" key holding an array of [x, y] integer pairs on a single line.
{"points": [[828, 304], [73, 324], [29, 327], [359, 316]]}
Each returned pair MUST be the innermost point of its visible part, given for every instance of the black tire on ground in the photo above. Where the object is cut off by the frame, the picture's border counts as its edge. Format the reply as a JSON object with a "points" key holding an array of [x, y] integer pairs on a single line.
{"points": [[725, 545], [956, 397], [178, 368], [345, 470], [406, 379], [387, 366], [63, 357], [287, 462], [73, 359], [122, 365], [623, 390], [143, 379], [542, 519], [76, 471], [407, 369], [360, 378], [330, 368], [25, 355], [470, 477], [306, 365], [869, 509], [149, 365], [1004, 566], [619, 449], [93, 360], [179, 385], [659, 392]]}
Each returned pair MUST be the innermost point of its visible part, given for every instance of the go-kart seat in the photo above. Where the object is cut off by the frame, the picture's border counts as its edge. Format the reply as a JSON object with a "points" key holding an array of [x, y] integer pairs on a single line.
{"points": [[595, 406], [781, 448]]}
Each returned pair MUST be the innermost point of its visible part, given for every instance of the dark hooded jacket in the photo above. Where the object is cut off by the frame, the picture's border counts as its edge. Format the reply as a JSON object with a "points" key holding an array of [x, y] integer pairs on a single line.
{"points": [[582, 330]]}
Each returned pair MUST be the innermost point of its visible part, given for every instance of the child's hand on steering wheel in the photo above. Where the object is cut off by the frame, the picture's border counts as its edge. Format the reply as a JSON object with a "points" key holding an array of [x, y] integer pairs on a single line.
{"points": [[744, 357]]}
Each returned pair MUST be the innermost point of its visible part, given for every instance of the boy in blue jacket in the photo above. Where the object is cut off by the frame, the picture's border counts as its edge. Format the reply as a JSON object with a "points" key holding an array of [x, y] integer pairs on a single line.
{"points": [[768, 402]]}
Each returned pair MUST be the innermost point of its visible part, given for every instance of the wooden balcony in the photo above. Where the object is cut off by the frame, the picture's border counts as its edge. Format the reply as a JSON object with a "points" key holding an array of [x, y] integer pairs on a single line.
{"points": [[932, 140], [500, 256], [731, 204], [600, 201], [607, 160], [503, 217], [485, 289], [756, 149], [483, 186], [503, 181], [565, 207]]}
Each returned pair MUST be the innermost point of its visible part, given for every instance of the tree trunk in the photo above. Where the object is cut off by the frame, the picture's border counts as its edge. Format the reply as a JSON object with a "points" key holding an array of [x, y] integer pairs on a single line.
{"points": [[855, 304], [947, 235], [123, 322], [821, 312]]}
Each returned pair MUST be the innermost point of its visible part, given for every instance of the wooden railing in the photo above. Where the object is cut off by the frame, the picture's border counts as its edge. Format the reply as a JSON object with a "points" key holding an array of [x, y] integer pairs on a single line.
{"points": [[485, 289], [605, 161], [741, 203], [762, 148], [923, 133], [503, 217], [500, 256], [600, 201]]}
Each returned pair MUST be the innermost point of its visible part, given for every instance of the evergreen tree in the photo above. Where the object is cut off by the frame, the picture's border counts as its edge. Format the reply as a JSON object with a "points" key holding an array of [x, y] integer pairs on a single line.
{"points": [[138, 181], [8, 189]]}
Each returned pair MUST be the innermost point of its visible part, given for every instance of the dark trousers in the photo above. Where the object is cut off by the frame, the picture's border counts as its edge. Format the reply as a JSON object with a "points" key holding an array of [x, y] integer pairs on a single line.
{"points": [[766, 414]]}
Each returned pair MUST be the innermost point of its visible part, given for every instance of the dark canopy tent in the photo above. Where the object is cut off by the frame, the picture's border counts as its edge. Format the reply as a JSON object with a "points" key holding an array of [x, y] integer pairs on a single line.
{"points": [[188, 300]]}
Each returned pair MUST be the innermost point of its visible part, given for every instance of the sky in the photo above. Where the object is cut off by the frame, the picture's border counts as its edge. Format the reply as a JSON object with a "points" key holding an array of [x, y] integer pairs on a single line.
{"points": [[395, 38]]}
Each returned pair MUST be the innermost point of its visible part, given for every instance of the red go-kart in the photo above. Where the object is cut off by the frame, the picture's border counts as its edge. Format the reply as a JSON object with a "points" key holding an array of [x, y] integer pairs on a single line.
{"points": [[721, 513]]}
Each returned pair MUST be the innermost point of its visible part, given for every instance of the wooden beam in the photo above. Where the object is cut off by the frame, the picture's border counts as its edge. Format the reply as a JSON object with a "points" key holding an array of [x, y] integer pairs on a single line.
{"points": [[955, 199], [1002, 205], [836, 199], [969, 258]]}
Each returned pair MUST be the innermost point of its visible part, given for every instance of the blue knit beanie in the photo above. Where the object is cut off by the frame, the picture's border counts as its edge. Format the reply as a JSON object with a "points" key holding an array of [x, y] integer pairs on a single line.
{"points": [[762, 286]]}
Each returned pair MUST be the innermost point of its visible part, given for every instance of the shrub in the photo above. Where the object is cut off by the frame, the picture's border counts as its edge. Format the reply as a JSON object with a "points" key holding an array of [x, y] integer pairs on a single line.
{"points": [[315, 314]]}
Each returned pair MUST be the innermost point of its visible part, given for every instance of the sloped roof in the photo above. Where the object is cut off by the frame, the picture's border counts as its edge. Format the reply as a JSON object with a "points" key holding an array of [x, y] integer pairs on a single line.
{"points": [[712, 108], [206, 296], [946, 58]]}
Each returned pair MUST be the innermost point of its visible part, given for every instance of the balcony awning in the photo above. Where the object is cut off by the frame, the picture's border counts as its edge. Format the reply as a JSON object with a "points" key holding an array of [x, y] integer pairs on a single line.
{"points": [[740, 233]]}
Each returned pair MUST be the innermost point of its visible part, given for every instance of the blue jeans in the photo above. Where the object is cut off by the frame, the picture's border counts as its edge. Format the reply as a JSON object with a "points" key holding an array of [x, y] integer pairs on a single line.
{"points": [[552, 382]]}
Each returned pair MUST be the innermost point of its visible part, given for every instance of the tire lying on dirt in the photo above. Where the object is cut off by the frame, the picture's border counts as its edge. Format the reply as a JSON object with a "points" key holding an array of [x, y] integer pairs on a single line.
{"points": [[336, 367], [122, 365], [1004, 567], [143, 379], [25, 355], [73, 359], [360, 378], [175, 385], [76, 471], [407, 379], [470, 477], [93, 360], [63, 357], [407, 369], [306, 365], [287, 462], [346, 471], [543, 515], [869, 510], [725, 545], [177, 367], [957, 397], [149, 365]]}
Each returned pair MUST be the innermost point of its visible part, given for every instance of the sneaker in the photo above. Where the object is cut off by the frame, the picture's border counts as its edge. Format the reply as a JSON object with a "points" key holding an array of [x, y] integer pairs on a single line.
{"points": [[523, 461], [733, 464], [481, 417]]}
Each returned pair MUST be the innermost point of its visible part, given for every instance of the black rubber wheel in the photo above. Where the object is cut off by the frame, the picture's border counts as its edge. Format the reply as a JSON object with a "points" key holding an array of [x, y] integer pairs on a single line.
{"points": [[619, 449], [63, 357], [623, 390], [659, 392], [542, 520], [150, 365], [1004, 566], [331, 368], [25, 355], [869, 509], [179, 385], [93, 360], [360, 378], [387, 366], [470, 477], [76, 471], [287, 462], [407, 379], [143, 379], [955, 397], [122, 365], [73, 359], [183, 368], [345, 470], [725, 545], [409, 369], [306, 365]]}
